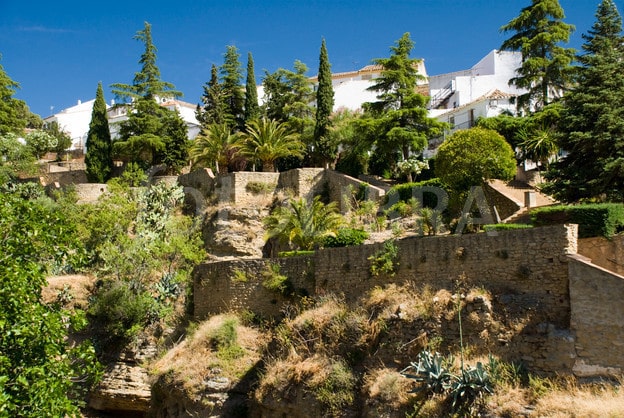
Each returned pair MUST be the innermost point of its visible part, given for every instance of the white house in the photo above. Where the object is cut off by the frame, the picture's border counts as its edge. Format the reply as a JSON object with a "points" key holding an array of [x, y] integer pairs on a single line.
{"points": [[350, 88], [75, 120]]}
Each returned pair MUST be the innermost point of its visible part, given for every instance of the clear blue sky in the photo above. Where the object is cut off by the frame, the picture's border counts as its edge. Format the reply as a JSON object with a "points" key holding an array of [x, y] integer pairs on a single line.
{"points": [[59, 50]]}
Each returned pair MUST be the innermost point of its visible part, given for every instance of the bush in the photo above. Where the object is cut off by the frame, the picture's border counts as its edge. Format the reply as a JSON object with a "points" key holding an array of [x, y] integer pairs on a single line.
{"points": [[346, 237], [122, 311], [385, 261], [505, 227], [405, 192], [599, 219], [274, 280]]}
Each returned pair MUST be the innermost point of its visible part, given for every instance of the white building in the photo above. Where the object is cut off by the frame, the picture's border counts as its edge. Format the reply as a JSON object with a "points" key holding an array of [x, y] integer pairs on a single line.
{"points": [[75, 120], [350, 88]]}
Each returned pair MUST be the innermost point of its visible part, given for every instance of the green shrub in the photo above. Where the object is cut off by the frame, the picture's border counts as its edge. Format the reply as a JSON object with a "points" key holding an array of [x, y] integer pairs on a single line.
{"points": [[338, 390], [346, 237], [295, 253], [274, 280], [259, 187], [225, 340], [405, 192], [385, 261], [598, 219], [122, 311]]}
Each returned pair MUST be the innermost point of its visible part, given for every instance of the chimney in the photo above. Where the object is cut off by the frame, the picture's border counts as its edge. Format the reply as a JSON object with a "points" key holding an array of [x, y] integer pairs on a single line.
{"points": [[79, 102]]}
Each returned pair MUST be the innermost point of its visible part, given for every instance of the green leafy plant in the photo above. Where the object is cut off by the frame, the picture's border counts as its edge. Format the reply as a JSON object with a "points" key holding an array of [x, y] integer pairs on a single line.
{"points": [[225, 340], [346, 237], [274, 280], [239, 276], [385, 261]]}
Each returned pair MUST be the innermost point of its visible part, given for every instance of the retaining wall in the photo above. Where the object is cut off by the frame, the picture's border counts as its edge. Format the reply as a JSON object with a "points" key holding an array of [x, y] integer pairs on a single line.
{"points": [[596, 318]]}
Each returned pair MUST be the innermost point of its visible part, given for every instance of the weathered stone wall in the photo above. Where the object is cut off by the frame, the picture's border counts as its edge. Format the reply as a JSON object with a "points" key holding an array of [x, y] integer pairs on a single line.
{"points": [[89, 192], [525, 270], [596, 318], [201, 179], [304, 182], [505, 207], [216, 289], [606, 253], [232, 187], [530, 264], [341, 184]]}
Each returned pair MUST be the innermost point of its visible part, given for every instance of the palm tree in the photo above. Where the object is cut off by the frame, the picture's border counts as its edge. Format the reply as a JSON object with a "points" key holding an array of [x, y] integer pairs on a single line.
{"points": [[539, 145], [267, 140], [303, 224], [216, 146]]}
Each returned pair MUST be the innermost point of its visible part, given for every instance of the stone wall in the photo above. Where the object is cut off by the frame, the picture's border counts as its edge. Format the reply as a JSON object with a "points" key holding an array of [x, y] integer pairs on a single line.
{"points": [[89, 192], [304, 182], [596, 318], [606, 253], [341, 185], [216, 288], [525, 270]]}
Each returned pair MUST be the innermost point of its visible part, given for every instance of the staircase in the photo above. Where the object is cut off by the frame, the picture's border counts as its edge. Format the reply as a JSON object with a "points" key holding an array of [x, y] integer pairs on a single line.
{"points": [[515, 190]]}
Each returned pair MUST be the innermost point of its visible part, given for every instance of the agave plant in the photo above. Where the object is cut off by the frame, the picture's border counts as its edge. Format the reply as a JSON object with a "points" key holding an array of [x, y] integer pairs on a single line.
{"points": [[470, 385], [431, 370]]}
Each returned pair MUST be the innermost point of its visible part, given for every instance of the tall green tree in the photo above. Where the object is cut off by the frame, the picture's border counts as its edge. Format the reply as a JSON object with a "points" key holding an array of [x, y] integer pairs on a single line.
{"points": [[213, 109], [267, 140], [252, 108], [539, 32], [147, 82], [399, 120], [233, 92], [152, 134], [592, 128], [14, 114], [325, 149], [63, 140], [99, 157]]}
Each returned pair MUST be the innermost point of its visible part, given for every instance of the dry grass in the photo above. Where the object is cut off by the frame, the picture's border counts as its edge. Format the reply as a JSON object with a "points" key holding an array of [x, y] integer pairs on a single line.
{"points": [[77, 287], [388, 387], [406, 302], [587, 401], [196, 358]]}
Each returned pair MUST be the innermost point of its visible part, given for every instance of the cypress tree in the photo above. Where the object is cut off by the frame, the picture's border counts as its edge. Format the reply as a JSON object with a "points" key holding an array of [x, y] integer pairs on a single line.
{"points": [[233, 93], [325, 150], [252, 108], [591, 130], [99, 160], [212, 110]]}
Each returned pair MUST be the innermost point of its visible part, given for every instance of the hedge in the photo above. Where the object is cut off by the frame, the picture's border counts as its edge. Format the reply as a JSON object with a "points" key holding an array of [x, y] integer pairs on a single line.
{"points": [[405, 192], [597, 219], [346, 237]]}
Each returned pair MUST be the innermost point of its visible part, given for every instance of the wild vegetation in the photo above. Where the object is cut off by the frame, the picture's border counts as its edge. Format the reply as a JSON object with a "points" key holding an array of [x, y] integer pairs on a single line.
{"points": [[391, 354]]}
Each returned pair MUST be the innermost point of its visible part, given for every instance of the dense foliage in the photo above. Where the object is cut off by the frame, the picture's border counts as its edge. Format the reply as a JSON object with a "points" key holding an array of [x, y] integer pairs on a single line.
{"points": [[538, 32], [594, 220], [41, 374], [591, 128]]}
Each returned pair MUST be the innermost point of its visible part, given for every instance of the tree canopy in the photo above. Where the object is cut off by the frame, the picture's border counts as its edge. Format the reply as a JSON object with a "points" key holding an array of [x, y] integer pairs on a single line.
{"points": [[471, 156], [538, 32], [592, 127], [147, 82]]}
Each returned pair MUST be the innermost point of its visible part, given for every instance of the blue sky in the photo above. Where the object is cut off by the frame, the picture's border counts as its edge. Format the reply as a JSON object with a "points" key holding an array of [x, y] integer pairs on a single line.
{"points": [[59, 51]]}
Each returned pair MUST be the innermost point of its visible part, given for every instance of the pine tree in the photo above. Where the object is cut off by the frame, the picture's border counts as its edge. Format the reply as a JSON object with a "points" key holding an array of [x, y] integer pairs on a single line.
{"points": [[147, 82], [545, 71], [399, 120], [213, 110], [99, 160], [252, 108], [324, 149], [591, 130], [233, 93]]}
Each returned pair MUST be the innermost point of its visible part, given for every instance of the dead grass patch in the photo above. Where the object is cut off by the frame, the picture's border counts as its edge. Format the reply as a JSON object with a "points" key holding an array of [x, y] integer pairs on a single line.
{"points": [[198, 358], [75, 290], [387, 387], [588, 401]]}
